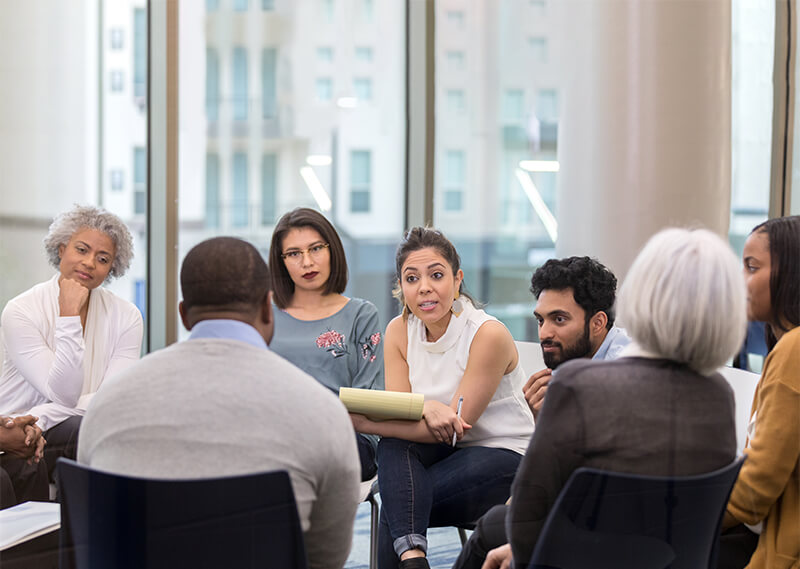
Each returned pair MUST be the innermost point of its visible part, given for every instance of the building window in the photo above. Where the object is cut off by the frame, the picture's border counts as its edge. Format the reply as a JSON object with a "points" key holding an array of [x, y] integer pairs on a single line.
{"points": [[117, 179], [140, 52], [364, 54], [117, 35], [325, 54], [327, 10], [367, 9], [267, 5], [212, 191], [538, 49], [360, 180], [513, 105], [453, 183], [455, 60], [139, 180], [269, 97], [212, 5], [212, 85], [456, 18], [140, 295], [324, 88], [538, 7], [240, 5], [239, 203], [547, 105], [239, 84], [362, 88], [454, 99], [117, 80], [269, 184]]}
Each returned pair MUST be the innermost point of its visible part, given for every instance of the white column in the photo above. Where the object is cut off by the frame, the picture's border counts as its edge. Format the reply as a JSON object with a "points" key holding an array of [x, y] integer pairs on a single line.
{"points": [[644, 140]]}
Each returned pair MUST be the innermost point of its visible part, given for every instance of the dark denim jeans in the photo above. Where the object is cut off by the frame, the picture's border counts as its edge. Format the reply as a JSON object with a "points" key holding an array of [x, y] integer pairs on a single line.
{"points": [[366, 455], [434, 485]]}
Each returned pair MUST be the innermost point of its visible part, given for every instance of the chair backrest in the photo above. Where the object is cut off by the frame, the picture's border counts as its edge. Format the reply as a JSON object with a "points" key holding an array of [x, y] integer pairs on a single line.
{"points": [[625, 521], [530, 356], [744, 385], [109, 520]]}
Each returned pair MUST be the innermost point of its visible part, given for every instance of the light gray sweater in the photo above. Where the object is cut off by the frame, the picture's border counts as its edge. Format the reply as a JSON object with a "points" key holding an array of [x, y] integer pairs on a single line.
{"points": [[218, 407]]}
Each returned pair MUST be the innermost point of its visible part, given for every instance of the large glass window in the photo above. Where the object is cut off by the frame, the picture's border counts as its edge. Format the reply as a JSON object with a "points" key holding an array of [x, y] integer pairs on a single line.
{"points": [[78, 108], [752, 43], [139, 180], [297, 115], [491, 195], [361, 170], [240, 203], [269, 62], [212, 84], [139, 53], [239, 84]]}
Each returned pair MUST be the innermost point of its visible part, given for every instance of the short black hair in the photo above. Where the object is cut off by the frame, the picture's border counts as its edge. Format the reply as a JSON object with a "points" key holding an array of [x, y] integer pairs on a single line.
{"points": [[299, 217], [224, 273], [593, 285], [783, 234]]}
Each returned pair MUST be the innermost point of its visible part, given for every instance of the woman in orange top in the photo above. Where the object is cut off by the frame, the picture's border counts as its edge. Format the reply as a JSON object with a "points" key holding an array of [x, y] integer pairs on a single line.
{"points": [[763, 514]]}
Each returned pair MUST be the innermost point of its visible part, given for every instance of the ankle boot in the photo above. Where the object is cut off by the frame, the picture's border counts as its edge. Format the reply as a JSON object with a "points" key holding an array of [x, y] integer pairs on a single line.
{"points": [[414, 563]]}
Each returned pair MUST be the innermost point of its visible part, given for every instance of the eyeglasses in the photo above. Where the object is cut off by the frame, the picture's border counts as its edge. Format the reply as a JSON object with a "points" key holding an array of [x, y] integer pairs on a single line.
{"points": [[296, 255]]}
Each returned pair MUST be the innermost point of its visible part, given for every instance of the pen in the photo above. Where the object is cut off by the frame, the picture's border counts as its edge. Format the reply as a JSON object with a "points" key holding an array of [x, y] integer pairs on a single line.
{"points": [[458, 414]]}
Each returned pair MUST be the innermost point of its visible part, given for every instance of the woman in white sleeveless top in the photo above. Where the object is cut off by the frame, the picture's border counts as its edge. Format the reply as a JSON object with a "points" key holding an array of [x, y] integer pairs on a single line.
{"points": [[445, 469]]}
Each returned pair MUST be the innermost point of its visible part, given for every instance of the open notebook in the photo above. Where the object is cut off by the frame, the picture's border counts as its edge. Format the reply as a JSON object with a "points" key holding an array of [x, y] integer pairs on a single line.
{"points": [[26, 521]]}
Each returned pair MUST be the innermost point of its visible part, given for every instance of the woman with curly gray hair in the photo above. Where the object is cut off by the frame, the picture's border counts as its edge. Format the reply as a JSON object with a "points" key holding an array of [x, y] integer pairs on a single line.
{"points": [[63, 337]]}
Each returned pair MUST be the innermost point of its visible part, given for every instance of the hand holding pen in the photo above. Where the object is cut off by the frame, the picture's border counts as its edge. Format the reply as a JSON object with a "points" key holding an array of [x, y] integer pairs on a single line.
{"points": [[458, 414]]}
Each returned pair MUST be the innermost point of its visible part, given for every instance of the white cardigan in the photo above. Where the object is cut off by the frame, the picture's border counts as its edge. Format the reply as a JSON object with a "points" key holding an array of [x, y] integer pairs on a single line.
{"points": [[43, 370]]}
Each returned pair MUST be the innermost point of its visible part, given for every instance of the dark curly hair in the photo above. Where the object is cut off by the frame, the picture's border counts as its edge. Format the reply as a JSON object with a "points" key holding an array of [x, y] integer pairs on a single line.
{"points": [[593, 285], [224, 273]]}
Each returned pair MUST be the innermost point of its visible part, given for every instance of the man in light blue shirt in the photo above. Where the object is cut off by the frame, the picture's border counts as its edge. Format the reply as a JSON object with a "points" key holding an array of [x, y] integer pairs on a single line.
{"points": [[575, 310], [223, 404]]}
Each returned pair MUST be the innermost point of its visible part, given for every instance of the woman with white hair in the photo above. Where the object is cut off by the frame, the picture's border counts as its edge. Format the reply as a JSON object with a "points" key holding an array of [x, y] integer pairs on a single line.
{"points": [[660, 409], [64, 336]]}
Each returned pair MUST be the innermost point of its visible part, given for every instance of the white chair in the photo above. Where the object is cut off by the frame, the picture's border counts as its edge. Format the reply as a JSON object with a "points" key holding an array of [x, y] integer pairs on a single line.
{"points": [[743, 384], [530, 357]]}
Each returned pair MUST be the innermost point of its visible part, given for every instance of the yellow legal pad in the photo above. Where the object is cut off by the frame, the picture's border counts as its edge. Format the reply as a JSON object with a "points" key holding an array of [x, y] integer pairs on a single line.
{"points": [[382, 405]]}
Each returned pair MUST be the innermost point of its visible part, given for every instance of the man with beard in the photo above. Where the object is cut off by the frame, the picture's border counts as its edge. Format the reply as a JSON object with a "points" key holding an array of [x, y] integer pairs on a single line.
{"points": [[575, 309]]}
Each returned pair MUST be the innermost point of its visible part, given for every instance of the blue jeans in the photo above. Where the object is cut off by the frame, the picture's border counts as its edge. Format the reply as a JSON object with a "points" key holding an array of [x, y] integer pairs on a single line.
{"points": [[366, 456], [434, 485]]}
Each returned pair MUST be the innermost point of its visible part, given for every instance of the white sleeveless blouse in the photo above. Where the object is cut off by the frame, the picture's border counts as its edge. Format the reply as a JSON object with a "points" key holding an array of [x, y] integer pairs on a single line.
{"points": [[435, 369]]}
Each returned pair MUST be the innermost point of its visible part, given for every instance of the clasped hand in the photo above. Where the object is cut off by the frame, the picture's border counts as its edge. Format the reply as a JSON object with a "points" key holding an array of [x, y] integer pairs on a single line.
{"points": [[21, 437], [442, 422]]}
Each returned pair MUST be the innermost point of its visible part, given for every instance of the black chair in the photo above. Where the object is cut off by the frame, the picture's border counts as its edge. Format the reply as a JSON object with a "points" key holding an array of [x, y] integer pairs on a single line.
{"points": [[109, 520], [624, 521]]}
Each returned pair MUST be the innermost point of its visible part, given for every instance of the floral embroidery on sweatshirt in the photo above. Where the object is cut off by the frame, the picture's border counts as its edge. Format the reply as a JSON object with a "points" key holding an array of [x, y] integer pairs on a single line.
{"points": [[333, 342], [368, 346]]}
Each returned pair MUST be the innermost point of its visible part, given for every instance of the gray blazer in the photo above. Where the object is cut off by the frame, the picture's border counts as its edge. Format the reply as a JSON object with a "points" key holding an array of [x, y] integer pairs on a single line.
{"points": [[635, 415]]}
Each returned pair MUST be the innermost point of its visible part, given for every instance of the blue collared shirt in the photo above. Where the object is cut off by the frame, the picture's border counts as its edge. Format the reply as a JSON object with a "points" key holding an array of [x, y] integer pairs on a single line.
{"points": [[228, 330], [616, 339]]}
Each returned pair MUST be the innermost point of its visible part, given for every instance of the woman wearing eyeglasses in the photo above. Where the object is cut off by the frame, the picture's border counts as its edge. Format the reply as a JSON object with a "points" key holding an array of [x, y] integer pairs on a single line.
{"points": [[335, 339]]}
